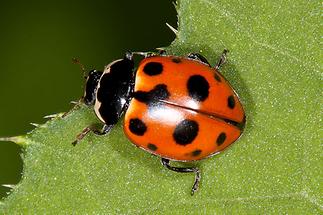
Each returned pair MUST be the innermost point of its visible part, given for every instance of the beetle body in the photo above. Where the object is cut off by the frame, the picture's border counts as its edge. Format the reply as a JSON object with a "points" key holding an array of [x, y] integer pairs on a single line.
{"points": [[178, 108]]}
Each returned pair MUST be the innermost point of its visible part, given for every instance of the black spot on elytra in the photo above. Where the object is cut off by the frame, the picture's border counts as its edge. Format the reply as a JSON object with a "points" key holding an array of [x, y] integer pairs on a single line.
{"points": [[196, 152], [217, 77], [153, 68], [176, 60], [185, 132], [221, 138], [198, 87], [138, 127], [158, 93], [231, 102], [152, 147]]}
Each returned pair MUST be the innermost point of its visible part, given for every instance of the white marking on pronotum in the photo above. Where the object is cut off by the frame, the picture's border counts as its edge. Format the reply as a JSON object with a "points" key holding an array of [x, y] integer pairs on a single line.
{"points": [[97, 104], [172, 29]]}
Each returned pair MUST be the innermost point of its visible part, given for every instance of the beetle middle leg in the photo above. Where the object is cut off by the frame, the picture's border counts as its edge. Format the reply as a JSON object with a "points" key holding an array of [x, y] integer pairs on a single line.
{"points": [[195, 186]]}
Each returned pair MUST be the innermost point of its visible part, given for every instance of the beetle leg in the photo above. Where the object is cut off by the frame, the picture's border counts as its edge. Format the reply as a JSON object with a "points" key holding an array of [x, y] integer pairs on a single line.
{"points": [[161, 51], [199, 57], [222, 59], [166, 164], [106, 129], [144, 54]]}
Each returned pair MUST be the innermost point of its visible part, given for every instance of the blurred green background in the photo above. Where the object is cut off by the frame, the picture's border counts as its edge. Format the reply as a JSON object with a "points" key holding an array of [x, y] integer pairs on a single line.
{"points": [[38, 40]]}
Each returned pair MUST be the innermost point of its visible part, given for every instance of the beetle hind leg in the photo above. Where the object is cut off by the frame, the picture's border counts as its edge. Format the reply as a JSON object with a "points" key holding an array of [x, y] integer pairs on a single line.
{"points": [[222, 59], [195, 186], [199, 57]]}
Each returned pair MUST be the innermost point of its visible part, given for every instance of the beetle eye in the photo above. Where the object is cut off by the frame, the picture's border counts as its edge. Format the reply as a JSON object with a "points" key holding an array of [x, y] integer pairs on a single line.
{"points": [[91, 72]]}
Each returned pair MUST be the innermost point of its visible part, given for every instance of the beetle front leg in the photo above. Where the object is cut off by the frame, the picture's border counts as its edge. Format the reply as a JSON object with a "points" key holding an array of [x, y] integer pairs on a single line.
{"points": [[106, 129]]}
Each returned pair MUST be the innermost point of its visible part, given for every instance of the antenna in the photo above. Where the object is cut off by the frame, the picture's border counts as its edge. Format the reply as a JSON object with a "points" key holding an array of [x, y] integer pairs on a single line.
{"points": [[77, 61]]}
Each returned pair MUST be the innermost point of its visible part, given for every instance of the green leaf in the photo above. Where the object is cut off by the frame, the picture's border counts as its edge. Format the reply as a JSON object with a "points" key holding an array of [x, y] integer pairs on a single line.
{"points": [[274, 168]]}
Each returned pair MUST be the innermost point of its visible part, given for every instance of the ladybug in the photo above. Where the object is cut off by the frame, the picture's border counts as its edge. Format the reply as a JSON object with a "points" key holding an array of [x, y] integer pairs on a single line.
{"points": [[178, 108]]}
